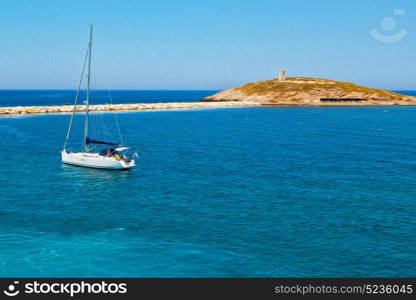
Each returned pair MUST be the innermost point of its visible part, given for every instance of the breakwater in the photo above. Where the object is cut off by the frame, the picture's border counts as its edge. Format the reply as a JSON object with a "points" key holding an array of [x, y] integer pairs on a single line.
{"points": [[15, 110]]}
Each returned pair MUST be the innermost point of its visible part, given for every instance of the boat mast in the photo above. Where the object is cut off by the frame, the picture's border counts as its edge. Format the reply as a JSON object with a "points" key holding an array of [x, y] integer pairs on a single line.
{"points": [[76, 100], [87, 104]]}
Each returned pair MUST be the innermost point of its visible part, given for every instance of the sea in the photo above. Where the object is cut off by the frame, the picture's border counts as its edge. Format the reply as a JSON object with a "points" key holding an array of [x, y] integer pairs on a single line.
{"points": [[66, 97], [229, 192]]}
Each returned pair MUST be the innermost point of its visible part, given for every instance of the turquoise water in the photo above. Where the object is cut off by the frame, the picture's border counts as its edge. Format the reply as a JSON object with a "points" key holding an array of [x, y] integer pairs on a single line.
{"points": [[243, 192]]}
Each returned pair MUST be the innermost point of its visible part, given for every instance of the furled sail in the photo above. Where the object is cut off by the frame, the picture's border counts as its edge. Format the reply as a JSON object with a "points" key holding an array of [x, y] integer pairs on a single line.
{"points": [[96, 142]]}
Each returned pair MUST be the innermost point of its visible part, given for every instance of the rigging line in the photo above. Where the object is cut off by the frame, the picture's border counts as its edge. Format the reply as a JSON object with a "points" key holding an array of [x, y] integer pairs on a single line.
{"points": [[115, 115], [102, 130], [97, 117], [76, 99], [111, 102]]}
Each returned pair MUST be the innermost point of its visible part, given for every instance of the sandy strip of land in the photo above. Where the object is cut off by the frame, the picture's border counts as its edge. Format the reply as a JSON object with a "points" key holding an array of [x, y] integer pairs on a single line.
{"points": [[122, 107]]}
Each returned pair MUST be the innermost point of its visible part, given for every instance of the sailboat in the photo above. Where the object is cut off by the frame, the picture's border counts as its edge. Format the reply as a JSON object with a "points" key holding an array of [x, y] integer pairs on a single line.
{"points": [[112, 155]]}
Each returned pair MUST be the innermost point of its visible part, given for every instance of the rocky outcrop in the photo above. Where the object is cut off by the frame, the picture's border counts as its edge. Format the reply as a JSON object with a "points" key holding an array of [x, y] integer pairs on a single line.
{"points": [[309, 91], [122, 107]]}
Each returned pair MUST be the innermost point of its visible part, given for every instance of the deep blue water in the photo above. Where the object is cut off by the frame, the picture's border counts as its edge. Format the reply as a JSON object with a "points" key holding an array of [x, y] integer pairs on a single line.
{"points": [[223, 192], [61, 97], [410, 93]]}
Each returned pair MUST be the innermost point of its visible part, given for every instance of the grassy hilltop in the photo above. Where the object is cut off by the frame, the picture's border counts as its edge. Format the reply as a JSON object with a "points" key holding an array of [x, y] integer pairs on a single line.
{"points": [[309, 91]]}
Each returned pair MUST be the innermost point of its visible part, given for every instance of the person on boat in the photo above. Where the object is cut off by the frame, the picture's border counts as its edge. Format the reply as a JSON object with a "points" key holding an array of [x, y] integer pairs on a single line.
{"points": [[103, 152], [108, 152]]}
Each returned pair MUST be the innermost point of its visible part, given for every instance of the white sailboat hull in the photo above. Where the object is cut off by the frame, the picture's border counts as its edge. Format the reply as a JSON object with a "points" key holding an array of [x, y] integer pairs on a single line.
{"points": [[94, 160]]}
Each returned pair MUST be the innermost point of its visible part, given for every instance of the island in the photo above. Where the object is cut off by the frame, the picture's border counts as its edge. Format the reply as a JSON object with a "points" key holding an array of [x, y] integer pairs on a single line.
{"points": [[291, 91], [307, 91]]}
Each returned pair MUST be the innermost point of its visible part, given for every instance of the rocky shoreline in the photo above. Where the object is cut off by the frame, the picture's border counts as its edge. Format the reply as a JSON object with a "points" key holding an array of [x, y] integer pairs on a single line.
{"points": [[23, 110], [54, 109]]}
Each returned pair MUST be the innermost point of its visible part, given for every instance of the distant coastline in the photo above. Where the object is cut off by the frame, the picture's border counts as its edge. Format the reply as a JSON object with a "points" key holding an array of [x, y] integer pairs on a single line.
{"points": [[22, 102], [54, 109]]}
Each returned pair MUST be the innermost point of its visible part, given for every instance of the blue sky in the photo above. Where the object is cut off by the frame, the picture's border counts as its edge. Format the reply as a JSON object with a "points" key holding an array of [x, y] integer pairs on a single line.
{"points": [[204, 44]]}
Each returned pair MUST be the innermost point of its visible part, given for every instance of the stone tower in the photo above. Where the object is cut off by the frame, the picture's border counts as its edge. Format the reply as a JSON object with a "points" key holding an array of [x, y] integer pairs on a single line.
{"points": [[282, 74]]}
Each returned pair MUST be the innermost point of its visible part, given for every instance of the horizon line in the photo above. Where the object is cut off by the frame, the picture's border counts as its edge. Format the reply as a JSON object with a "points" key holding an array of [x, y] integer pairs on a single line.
{"points": [[43, 89], [67, 89]]}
